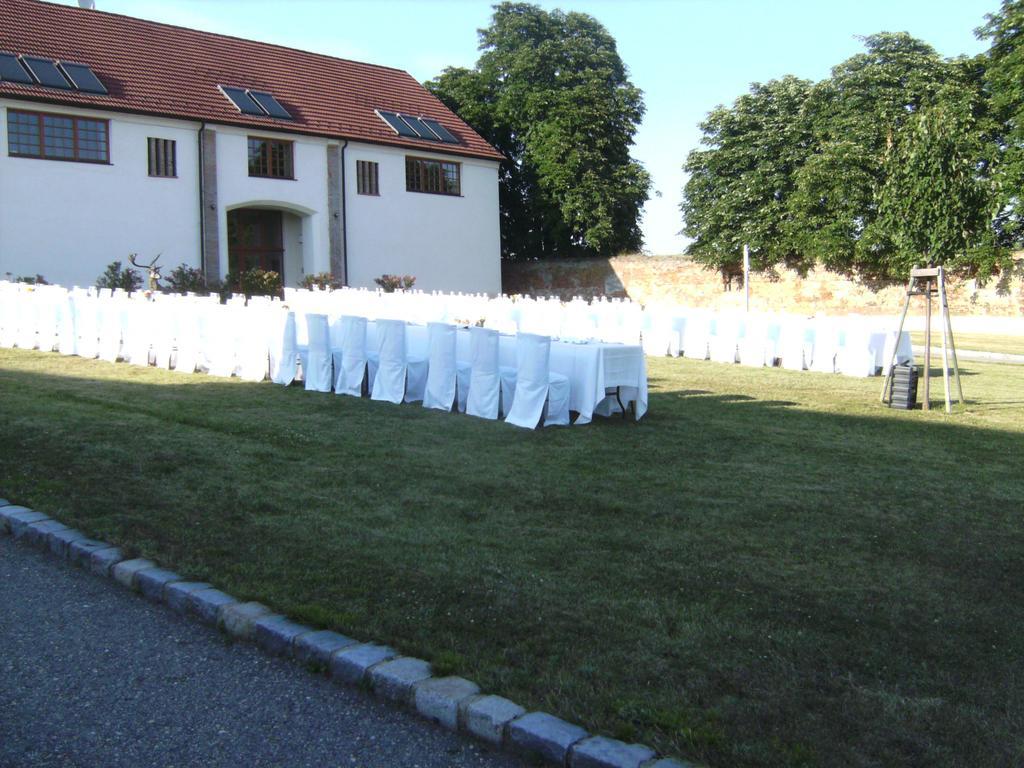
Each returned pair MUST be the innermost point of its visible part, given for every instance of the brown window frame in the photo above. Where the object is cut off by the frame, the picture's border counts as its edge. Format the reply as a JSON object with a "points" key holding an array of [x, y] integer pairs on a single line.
{"points": [[368, 178], [75, 147], [162, 157], [287, 172], [420, 178]]}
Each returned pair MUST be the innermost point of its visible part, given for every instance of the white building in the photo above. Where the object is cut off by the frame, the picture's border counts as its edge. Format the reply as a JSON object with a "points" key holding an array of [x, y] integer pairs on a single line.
{"points": [[121, 136]]}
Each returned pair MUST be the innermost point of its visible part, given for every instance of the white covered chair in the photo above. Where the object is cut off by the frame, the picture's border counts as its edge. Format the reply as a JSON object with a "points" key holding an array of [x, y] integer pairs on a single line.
{"points": [[316, 355], [792, 343], [724, 338], [855, 356], [26, 320], [482, 380], [87, 312], [67, 325], [253, 342], [137, 331], [9, 305], [110, 329], [540, 393], [282, 348], [351, 374], [398, 377], [220, 332], [696, 333], [163, 328], [188, 337], [441, 388], [825, 346]]}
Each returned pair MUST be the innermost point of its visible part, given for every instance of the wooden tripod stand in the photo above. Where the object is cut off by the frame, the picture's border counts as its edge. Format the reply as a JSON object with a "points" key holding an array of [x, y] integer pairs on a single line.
{"points": [[929, 282]]}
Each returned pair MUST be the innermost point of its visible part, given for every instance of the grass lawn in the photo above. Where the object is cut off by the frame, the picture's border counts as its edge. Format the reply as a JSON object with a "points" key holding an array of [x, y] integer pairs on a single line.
{"points": [[980, 342], [771, 569]]}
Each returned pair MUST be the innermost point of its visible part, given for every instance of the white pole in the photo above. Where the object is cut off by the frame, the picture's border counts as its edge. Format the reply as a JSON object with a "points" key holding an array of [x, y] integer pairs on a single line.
{"points": [[746, 275]]}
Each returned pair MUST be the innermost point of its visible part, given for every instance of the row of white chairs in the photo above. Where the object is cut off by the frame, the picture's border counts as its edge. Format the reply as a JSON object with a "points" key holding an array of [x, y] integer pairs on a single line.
{"points": [[340, 356], [852, 345], [255, 339]]}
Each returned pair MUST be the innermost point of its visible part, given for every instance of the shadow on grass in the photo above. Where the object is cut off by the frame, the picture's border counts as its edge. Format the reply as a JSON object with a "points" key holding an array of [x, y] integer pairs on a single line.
{"points": [[733, 579]]}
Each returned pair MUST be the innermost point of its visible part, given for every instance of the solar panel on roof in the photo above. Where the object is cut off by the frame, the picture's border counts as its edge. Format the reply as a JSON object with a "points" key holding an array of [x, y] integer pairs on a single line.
{"points": [[241, 99], [12, 71], [443, 133], [82, 77], [270, 105], [421, 130], [401, 127], [46, 72]]}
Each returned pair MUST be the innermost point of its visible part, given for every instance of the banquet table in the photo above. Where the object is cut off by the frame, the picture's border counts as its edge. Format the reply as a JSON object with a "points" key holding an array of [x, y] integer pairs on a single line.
{"points": [[593, 368]]}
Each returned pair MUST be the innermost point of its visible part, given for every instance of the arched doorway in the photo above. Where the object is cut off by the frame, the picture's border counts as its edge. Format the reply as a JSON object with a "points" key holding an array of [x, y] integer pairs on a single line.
{"points": [[272, 236], [256, 241]]}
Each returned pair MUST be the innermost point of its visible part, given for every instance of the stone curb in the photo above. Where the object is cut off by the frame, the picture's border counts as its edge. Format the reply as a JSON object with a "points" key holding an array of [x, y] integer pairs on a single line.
{"points": [[452, 702]]}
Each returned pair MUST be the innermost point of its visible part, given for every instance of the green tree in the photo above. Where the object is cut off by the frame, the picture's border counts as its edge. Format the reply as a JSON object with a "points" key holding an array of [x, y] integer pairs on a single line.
{"points": [[551, 92], [855, 116], [1004, 82], [115, 277], [740, 183], [935, 206]]}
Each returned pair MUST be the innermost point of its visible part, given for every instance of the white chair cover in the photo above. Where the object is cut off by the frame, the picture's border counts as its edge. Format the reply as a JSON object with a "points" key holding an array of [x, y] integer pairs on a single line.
{"points": [[87, 312], [441, 386], [337, 335], [483, 397], [537, 386], [696, 333], [110, 329], [253, 342], [220, 331], [67, 326], [792, 340], [856, 356], [352, 372], [47, 311], [825, 345], [389, 381], [138, 332], [9, 303], [188, 339], [316, 358], [163, 327], [724, 338], [282, 348]]}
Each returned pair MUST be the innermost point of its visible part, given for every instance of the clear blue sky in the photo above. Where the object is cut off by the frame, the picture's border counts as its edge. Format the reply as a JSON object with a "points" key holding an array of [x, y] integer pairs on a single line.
{"points": [[687, 55]]}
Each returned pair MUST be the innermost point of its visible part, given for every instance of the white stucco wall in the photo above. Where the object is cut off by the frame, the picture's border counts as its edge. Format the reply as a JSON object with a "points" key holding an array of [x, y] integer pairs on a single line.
{"points": [[68, 220], [305, 195], [447, 243]]}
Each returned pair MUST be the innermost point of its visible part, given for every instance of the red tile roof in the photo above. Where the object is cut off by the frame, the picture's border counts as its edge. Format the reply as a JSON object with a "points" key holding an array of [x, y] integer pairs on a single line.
{"points": [[160, 69]]}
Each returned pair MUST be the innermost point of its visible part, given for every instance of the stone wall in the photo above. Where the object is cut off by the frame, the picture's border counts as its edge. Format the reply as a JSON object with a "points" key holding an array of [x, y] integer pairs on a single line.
{"points": [[677, 279]]}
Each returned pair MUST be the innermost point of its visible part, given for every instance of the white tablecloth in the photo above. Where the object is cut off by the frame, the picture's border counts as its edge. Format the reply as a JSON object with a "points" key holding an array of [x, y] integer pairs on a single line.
{"points": [[592, 368]]}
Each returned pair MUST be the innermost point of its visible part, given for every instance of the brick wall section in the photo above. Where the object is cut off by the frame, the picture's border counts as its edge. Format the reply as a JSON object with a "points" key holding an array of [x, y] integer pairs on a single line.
{"points": [[677, 279]]}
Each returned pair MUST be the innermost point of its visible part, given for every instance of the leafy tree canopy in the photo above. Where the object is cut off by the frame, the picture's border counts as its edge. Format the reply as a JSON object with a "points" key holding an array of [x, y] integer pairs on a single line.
{"points": [[854, 172], [740, 183], [1003, 75], [551, 92]]}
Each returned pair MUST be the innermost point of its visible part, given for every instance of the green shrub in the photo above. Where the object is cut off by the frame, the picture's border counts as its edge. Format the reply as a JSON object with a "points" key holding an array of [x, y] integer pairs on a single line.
{"points": [[320, 280], [186, 279], [259, 282], [115, 277], [392, 283], [30, 280]]}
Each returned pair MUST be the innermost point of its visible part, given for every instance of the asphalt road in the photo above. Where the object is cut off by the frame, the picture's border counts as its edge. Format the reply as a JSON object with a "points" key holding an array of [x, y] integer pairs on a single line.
{"points": [[91, 675]]}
